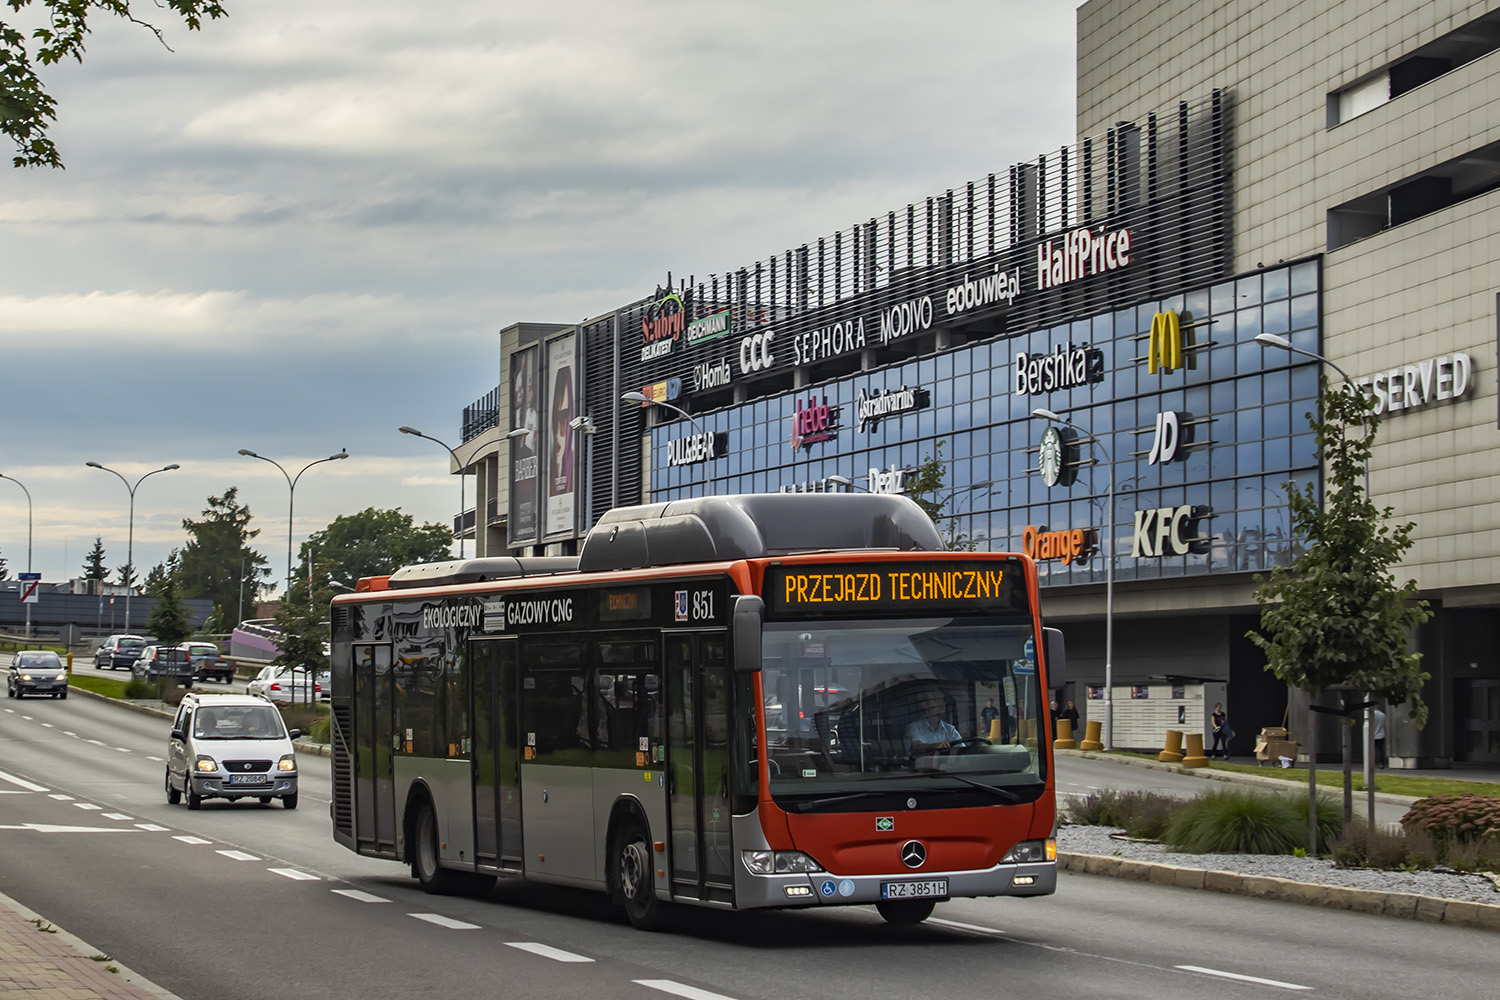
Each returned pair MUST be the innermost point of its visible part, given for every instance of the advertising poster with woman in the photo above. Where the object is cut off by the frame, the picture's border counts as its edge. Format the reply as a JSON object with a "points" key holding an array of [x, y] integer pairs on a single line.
{"points": [[561, 408], [524, 449]]}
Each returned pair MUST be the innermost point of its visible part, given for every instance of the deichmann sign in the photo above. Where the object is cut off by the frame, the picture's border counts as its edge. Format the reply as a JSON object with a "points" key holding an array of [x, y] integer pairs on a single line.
{"points": [[1075, 544], [1410, 386], [710, 327], [696, 448], [1163, 531]]}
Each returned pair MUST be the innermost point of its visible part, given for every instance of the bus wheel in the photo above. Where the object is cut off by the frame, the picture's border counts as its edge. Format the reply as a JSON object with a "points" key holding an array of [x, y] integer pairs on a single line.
{"points": [[633, 874], [424, 859], [905, 911]]}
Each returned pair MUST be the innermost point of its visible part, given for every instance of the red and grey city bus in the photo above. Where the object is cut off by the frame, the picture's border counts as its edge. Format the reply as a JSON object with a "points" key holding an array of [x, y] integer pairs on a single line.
{"points": [[773, 700]]}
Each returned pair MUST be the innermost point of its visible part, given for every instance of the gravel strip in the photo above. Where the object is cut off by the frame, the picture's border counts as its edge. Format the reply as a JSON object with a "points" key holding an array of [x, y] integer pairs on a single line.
{"points": [[1099, 840]]}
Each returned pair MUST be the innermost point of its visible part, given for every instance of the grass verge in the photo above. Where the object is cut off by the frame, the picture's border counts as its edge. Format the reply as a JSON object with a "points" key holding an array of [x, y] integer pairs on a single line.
{"points": [[1394, 782], [107, 686]]}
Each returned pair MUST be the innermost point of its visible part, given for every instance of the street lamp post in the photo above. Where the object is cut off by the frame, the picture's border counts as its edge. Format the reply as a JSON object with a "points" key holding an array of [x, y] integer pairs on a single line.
{"points": [[130, 529], [461, 468], [585, 425], [28, 540], [291, 482], [1272, 340], [1109, 573], [641, 397]]}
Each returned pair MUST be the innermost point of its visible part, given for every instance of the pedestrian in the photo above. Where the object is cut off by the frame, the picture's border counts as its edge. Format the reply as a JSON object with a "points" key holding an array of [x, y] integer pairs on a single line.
{"points": [[1377, 731], [1071, 714], [1222, 733], [988, 714]]}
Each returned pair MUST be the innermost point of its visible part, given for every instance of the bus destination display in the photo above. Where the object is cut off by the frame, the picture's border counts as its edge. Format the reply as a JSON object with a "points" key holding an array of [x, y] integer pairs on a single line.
{"points": [[989, 587]]}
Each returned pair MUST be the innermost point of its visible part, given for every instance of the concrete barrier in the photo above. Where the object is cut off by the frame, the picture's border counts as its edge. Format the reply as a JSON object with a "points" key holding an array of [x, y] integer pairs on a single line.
{"points": [[1172, 752]]}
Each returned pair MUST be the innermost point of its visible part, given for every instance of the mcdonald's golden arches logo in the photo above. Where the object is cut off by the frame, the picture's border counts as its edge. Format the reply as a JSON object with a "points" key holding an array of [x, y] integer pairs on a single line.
{"points": [[1164, 350]]}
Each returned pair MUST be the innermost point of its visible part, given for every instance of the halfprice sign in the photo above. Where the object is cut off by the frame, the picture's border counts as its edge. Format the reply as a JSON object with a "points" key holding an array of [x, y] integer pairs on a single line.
{"points": [[30, 582]]}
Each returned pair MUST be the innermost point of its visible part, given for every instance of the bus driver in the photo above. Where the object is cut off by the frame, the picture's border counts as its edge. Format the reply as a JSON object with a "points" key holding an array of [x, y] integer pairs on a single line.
{"points": [[929, 732]]}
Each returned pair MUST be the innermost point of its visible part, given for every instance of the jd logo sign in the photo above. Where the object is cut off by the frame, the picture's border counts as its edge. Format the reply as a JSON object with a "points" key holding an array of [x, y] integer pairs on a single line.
{"points": [[1164, 531], [1168, 436]]}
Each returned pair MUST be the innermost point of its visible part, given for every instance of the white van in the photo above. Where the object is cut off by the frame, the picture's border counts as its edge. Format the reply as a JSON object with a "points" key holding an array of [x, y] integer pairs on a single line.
{"points": [[230, 746]]}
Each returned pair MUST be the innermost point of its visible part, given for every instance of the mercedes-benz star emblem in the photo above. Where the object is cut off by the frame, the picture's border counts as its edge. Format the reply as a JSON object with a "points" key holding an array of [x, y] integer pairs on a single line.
{"points": [[913, 854]]}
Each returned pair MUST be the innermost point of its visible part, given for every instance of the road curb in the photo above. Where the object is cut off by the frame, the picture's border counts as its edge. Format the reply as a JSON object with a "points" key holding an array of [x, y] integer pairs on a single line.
{"points": [[1404, 905], [301, 746]]}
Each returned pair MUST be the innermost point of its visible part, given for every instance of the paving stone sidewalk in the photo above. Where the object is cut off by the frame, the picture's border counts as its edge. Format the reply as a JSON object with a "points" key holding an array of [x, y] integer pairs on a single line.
{"points": [[40, 961]]}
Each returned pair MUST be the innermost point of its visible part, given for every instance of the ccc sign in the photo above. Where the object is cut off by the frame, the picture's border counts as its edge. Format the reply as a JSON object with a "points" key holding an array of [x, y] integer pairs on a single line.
{"points": [[755, 352]]}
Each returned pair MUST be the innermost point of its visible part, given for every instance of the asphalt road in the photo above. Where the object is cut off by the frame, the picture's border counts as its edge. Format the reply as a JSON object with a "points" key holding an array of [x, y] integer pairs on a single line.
{"points": [[250, 901]]}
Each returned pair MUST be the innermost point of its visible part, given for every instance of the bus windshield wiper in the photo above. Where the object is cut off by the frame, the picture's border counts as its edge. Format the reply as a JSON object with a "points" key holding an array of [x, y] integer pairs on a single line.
{"points": [[830, 800], [1000, 793]]}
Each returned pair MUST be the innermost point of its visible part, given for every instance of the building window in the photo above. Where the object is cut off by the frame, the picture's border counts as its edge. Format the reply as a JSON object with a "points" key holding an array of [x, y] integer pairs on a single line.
{"points": [[1463, 45], [1448, 183]]}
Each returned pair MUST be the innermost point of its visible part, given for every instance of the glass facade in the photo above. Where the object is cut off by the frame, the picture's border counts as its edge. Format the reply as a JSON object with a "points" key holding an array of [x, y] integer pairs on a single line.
{"points": [[1240, 408]]}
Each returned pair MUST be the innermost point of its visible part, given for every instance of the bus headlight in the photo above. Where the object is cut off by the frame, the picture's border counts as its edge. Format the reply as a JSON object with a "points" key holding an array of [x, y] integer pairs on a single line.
{"points": [[1031, 850], [779, 862]]}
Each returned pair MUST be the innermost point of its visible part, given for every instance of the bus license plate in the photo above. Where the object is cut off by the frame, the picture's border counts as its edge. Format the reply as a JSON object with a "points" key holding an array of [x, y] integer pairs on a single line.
{"points": [[249, 779], [911, 890]]}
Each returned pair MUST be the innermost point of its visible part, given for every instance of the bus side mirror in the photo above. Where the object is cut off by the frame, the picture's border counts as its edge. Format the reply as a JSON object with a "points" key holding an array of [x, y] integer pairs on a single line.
{"points": [[1057, 658], [749, 617]]}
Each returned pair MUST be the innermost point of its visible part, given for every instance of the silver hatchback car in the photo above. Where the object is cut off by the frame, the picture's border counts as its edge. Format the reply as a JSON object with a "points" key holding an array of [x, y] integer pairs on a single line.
{"points": [[230, 746]]}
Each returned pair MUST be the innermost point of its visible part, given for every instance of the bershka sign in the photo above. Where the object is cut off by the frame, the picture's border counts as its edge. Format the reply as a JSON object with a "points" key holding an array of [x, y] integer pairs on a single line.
{"points": [[1065, 368], [829, 342], [663, 326], [1041, 544], [986, 290], [886, 403], [813, 423], [1079, 254], [696, 448], [1164, 531], [1410, 386]]}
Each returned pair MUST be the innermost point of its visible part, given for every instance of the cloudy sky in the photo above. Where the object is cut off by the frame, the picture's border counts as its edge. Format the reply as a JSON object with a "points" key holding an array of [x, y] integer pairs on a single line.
{"points": [[305, 225]]}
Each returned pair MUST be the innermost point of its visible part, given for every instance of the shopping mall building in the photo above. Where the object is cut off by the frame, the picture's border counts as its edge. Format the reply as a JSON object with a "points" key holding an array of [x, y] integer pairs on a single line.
{"points": [[1324, 173]]}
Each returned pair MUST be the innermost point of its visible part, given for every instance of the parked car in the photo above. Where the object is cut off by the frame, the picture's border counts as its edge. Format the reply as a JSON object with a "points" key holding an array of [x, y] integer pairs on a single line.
{"points": [[165, 663], [36, 671], [230, 746], [285, 685], [119, 651], [208, 662]]}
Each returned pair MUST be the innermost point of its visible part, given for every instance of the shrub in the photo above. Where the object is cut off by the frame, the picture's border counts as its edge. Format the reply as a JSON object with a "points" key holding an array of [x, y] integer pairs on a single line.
{"points": [[1462, 819], [1234, 821], [1385, 847], [137, 688], [319, 730], [1474, 855], [1140, 814]]}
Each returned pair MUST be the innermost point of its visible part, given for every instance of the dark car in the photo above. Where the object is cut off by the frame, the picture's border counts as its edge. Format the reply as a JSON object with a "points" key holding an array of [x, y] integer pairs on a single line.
{"points": [[36, 671], [208, 662], [165, 663], [119, 651]]}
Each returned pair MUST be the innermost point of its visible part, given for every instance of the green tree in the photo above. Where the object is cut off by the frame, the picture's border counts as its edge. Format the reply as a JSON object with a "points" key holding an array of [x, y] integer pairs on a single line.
{"points": [[371, 543], [4, 573], [1334, 618], [26, 107], [93, 564], [125, 575], [925, 486], [303, 623], [157, 575], [217, 563], [169, 620]]}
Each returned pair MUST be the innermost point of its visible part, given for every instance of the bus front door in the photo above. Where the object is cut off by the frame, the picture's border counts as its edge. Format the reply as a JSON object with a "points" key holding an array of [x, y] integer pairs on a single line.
{"points": [[374, 753], [698, 765], [497, 754]]}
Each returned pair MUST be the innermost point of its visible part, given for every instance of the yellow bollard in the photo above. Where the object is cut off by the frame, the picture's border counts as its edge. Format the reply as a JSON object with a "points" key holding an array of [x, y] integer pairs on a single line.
{"points": [[995, 735], [1173, 750], [1065, 740], [1028, 732], [1093, 736], [1194, 757], [70, 662]]}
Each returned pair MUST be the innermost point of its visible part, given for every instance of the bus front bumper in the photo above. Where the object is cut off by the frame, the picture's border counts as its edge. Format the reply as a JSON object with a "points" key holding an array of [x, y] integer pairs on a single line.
{"points": [[829, 888]]}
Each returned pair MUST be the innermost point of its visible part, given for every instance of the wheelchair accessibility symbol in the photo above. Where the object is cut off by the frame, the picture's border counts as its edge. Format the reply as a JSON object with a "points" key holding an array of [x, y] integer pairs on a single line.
{"points": [[828, 888]]}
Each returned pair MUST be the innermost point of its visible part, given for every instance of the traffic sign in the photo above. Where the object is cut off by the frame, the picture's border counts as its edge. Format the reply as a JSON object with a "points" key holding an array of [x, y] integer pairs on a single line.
{"points": [[29, 584]]}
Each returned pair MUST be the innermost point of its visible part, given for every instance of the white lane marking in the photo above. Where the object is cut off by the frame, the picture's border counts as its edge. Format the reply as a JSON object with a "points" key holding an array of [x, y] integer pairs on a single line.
{"points": [[86, 805], [295, 875], [47, 725], [97, 743], [10, 711], [680, 990], [26, 717], [964, 927], [1243, 979], [192, 840], [152, 827], [157, 759], [117, 816], [59, 796], [442, 921], [69, 732], [22, 782], [123, 749], [362, 897], [238, 856], [546, 951], [54, 828]]}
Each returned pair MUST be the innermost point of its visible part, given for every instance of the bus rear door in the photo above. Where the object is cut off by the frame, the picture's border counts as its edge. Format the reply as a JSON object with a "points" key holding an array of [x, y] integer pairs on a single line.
{"points": [[497, 754]]}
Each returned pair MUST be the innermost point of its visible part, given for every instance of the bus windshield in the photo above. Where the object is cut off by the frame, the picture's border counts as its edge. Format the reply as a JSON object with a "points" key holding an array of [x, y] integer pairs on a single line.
{"points": [[948, 703]]}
